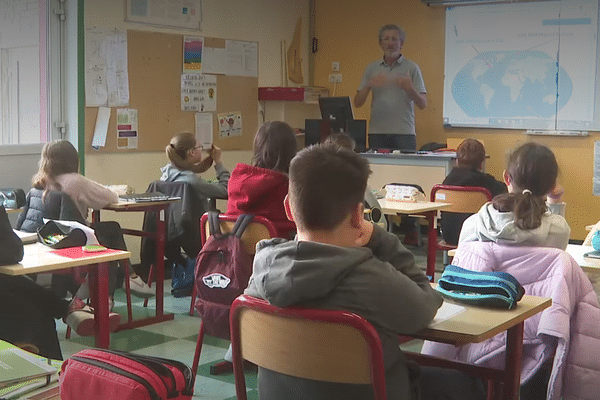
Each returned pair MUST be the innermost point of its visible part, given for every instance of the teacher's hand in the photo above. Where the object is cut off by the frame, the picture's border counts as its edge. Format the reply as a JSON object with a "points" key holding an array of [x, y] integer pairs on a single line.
{"points": [[404, 82], [378, 80]]}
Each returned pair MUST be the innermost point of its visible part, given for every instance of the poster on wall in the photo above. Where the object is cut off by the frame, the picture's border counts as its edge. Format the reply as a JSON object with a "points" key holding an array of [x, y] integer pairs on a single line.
{"points": [[192, 53], [127, 128], [230, 124], [177, 13], [198, 92], [106, 76], [204, 129]]}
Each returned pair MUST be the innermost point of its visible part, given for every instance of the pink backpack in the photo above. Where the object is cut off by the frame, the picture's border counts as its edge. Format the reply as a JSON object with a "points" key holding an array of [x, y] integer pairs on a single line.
{"points": [[223, 268], [110, 374]]}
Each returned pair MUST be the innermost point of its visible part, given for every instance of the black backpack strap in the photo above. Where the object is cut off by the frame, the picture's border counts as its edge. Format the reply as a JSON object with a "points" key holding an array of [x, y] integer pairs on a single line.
{"points": [[241, 224], [214, 226]]}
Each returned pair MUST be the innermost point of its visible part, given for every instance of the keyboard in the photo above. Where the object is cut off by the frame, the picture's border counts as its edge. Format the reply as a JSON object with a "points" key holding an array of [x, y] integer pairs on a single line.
{"points": [[144, 197]]}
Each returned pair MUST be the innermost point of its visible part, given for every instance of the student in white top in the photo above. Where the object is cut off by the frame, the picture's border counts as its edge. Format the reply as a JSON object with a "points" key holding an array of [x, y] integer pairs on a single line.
{"points": [[58, 170]]}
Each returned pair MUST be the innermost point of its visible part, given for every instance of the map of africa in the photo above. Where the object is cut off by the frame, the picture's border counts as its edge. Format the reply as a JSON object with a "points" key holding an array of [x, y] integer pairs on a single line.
{"points": [[511, 84]]}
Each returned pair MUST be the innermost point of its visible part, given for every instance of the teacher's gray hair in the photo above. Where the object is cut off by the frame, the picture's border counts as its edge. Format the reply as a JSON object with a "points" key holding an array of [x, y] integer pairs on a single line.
{"points": [[392, 27]]}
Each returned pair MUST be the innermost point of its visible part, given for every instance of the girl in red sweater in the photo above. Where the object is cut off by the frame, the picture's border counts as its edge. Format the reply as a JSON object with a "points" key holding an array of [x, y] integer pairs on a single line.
{"points": [[260, 188]]}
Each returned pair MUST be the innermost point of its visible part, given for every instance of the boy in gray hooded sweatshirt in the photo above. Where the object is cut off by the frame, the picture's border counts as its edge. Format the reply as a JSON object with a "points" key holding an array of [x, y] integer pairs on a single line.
{"points": [[340, 261]]}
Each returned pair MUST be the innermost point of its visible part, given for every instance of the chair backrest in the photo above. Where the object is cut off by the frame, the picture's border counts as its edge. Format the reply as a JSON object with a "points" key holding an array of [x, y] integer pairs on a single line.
{"points": [[259, 228], [462, 199], [324, 345]]}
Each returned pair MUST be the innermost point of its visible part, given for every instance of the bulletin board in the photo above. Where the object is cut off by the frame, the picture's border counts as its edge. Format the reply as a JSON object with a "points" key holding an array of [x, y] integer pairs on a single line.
{"points": [[155, 65]]}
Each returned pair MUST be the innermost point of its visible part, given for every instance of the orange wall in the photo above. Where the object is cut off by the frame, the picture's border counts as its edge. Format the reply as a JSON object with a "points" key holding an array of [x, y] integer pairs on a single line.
{"points": [[347, 33]]}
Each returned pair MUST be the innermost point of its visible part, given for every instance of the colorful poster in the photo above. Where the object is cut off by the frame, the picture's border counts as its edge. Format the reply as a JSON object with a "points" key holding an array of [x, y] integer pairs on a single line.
{"points": [[230, 124], [127, 128], [192, 53], [198, 92]]}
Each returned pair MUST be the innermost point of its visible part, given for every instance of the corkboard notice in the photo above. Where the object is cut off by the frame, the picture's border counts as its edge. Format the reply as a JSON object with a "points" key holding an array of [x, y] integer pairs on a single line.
{"points": [[155, 66]]}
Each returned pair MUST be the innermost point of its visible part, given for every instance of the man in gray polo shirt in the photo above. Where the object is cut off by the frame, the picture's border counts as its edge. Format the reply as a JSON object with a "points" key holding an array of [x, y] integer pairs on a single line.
{"points": [[397, 84]]}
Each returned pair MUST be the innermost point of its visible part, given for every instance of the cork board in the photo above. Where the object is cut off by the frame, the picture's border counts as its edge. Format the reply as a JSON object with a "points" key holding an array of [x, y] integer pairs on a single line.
{"points": [[155, 65]]}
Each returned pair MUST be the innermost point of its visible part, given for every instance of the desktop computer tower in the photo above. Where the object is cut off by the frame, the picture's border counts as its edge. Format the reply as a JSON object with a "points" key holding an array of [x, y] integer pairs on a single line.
{"points": [[317, 130]]}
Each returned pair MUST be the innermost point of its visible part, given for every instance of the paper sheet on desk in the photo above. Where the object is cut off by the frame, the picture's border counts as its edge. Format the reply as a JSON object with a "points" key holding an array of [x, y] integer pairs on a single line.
{"points": [[446, 311]]}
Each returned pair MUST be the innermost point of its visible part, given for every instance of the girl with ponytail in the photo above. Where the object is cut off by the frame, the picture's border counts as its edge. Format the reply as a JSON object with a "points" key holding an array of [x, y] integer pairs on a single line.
{"points": [[531, 213], [187, 160]]}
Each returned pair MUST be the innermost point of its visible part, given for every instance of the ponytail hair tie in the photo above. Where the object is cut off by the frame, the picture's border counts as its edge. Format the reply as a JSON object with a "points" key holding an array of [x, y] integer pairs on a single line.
{"points": [[526, 191], [171, 144]]}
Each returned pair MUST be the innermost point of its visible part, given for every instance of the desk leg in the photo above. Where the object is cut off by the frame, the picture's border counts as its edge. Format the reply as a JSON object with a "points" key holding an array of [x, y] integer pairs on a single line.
{"points": [[160, 261], [100, 301], [512, 364], [431, 244]]}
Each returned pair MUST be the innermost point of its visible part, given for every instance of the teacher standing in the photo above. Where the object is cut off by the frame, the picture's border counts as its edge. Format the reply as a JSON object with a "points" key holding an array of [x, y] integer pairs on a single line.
{"points": [[397, 85]]}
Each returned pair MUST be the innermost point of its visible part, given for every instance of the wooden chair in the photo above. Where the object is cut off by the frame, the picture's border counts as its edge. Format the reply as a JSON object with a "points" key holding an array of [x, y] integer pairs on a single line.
{"points": [[462, 199], [259, 228], [325, 345]]}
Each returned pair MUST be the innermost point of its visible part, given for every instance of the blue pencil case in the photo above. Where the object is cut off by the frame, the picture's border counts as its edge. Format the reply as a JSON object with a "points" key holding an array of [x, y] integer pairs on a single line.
{"points": [[490, 289]]}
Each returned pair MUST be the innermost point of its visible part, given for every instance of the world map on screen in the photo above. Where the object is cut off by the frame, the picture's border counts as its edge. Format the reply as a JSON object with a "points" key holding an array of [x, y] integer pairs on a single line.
{"points": [[509, 84]]}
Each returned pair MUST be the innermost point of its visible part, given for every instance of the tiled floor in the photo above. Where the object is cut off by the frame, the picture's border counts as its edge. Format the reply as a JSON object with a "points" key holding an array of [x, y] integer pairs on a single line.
{"points": [[177, 340]]}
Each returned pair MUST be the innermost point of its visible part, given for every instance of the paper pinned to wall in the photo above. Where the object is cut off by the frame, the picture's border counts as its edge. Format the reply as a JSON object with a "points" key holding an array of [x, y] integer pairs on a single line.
{"points": [[230, 124], [127, 128], [198, 92], [204, 129], [242, 58], [106, 76], [101, 130], [192, 53]]}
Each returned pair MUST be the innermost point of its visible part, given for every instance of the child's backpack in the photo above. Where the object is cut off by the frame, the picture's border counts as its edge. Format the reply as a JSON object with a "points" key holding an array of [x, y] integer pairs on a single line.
{"points": [[223, 268]]}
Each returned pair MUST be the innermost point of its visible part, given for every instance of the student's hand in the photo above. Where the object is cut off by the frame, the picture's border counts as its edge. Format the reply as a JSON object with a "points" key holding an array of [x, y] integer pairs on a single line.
{"points": [[378, 80], [216, 153], [555, 195], [365, 231]]}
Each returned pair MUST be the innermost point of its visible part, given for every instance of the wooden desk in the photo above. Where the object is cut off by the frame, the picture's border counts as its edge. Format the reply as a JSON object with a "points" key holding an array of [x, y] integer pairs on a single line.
{"points": [[37, 258], [589, 265], [12, 210], [160, 236], [429, 210], [478, 324]]}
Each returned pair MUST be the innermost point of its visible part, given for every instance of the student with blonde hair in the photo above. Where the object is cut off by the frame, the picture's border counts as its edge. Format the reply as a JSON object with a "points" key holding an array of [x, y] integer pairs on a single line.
{"points": [[187, 160]]}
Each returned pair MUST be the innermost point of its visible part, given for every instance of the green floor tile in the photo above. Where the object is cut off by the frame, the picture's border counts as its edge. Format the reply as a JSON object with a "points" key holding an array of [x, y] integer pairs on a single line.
{"points": [[210, 340], [251, 377], [128, 340], [252, 395]]}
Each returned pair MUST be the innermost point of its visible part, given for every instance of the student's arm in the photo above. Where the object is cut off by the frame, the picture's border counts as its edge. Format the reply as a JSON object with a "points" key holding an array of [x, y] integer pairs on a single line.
{"points": [[88, 192], [11, 247], [388, 248]]}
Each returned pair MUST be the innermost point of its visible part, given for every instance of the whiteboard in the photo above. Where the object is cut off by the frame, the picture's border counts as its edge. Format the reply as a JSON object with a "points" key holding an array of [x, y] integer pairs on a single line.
{"points": [[172, 13], [529, 65]]}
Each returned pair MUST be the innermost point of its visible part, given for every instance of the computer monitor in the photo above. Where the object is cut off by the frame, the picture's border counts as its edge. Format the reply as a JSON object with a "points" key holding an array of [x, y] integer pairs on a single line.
{"points": [[338, 111]]}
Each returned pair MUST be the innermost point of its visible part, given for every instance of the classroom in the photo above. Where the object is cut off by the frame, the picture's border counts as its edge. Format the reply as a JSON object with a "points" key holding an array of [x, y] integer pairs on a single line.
{"points": [[346, 34]]}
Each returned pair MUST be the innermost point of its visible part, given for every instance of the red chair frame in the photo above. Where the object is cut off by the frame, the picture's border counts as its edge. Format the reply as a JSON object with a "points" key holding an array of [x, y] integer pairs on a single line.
{"points": [[352, 320], [442, 245]]}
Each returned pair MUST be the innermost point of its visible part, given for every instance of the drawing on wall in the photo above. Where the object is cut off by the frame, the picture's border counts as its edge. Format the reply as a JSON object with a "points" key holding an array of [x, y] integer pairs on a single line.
{"points": [[192, 53], [230, 124], [198, 92], [106, 76]]}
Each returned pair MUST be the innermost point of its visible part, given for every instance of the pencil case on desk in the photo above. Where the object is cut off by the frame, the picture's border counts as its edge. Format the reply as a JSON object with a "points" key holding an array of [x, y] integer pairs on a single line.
{"points": [[491, 289]]}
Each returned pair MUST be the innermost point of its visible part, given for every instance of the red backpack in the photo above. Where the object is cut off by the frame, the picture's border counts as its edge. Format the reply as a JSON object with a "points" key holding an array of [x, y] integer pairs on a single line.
{"points": [[223, 268]]}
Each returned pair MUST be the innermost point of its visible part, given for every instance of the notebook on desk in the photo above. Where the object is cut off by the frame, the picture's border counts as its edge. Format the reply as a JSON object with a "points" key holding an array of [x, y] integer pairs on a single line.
{"points": [[145, 197], [26, 237]]}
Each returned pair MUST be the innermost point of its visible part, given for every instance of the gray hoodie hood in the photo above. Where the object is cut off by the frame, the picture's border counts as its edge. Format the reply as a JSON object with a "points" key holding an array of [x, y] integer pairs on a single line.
{"points": [[170, 173], [299, 272], [491, 225]]}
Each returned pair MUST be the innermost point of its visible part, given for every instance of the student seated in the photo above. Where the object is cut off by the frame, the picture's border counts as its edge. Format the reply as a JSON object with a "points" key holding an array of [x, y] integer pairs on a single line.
{"points": [[28, 309], [58, 171], [344, 140], [470, 157], [260, 188], [531, 214], [341, 261], [186, 161]]}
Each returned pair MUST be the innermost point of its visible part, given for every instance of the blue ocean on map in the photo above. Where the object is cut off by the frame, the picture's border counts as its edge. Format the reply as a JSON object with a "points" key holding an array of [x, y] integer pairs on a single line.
{"points": [[509, 84]]}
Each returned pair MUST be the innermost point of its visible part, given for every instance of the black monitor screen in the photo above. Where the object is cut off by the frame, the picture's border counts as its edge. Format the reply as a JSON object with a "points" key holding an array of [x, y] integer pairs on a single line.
{"points": [[336, 110]]}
